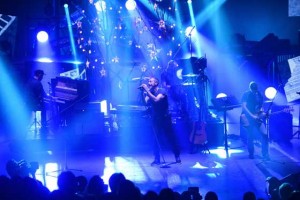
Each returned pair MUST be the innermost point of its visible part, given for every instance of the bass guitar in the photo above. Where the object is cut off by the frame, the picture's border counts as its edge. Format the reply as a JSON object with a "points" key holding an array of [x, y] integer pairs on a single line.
{"points": [[261, 116]]}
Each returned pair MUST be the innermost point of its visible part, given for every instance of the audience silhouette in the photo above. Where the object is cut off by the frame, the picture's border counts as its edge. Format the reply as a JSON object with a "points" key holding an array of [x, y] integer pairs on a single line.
{"points": [[211, 195], [249, 196], [22, 185]]}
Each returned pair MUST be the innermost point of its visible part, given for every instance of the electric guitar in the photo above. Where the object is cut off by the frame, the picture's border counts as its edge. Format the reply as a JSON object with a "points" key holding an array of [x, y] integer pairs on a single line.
{"points": [[261, 116]]}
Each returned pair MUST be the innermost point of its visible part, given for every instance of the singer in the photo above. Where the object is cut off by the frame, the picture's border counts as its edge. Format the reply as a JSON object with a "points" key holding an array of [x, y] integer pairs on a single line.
{"points": [[157, 99]]}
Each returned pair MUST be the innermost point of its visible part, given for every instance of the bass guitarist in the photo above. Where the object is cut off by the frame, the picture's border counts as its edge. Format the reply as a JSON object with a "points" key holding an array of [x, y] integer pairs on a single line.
{"points": [[252, 101]]}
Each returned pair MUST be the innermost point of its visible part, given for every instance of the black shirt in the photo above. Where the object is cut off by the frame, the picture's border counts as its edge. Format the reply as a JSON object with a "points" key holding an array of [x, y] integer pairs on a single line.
{"points": [[159, 108], [254, 101], [35, 94]]}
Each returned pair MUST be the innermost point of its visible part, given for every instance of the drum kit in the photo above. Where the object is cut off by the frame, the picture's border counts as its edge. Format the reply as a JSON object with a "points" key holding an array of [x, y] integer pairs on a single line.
{"points": [[187, 80]]}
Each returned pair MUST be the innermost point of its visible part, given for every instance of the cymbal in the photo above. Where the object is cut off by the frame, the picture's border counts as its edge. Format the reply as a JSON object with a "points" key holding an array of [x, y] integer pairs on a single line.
{"points": [[187, 84], [140, 78], [190, 75]]}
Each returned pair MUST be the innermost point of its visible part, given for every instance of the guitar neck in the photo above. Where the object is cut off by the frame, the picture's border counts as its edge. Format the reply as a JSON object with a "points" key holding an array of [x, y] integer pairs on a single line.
{"points": [[286, 110]]}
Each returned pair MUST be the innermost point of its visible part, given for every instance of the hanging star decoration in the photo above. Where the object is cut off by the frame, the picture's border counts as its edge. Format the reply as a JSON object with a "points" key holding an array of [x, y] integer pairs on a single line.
{"points": [[144, 28], [153, 51], [144, 68], [116, 59], [162, 24], [87, 64]]}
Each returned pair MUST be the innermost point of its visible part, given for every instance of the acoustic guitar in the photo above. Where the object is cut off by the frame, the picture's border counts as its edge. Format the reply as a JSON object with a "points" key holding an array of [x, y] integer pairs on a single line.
{"points": [[198, 133]]}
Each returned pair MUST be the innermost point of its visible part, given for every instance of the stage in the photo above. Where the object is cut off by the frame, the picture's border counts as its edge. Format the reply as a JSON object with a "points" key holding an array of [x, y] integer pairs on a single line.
{"points": [[130, 152]]}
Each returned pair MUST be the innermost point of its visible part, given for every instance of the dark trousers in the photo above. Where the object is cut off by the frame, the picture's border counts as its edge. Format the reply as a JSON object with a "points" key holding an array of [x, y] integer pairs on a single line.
{"points": [[162, 126], [259, 128]]}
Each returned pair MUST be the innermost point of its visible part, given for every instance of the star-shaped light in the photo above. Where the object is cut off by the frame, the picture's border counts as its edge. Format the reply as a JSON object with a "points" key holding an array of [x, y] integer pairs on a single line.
{"points": [[162, 24], [116, 59]]}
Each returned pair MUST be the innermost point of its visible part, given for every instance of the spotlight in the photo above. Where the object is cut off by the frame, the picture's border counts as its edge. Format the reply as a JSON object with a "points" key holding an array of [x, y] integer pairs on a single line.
{"points": [[221, 95], [130, 4], [270, 93], [100, 6], [179, 73], [189, 31], [42, 36]]}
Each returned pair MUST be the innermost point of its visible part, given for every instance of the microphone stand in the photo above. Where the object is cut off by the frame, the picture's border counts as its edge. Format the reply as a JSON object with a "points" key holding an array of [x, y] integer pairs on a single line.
{"points": [[181, 44], [190, 37], [140, 97], [268, 125], [268, 114], [127, 80]]}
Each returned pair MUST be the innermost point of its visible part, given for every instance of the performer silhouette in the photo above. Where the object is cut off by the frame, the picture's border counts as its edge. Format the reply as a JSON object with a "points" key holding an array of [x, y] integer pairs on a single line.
{"points": [[252, 101], [161, 120]]}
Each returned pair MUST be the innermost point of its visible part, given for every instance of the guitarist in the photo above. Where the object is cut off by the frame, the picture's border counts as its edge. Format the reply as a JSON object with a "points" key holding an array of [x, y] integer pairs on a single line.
{"points": [[252, 101]]}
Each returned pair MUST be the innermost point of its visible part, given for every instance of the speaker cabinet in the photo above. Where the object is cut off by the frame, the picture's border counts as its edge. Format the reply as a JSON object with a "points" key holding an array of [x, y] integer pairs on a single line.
{"points": [[215, 134], [281, 127]]}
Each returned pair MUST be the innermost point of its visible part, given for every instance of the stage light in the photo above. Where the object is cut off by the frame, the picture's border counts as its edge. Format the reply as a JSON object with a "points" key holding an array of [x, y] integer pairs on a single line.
{"points": [[179, 74], [100, 6], [270, 93], [42, 36], [221, 95], [45, 60], [130, 4], [189, 31]]}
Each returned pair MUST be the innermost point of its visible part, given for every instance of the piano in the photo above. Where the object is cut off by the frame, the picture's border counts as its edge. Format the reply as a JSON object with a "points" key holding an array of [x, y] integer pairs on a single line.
{"points": [[66, 90], [68, 95]]}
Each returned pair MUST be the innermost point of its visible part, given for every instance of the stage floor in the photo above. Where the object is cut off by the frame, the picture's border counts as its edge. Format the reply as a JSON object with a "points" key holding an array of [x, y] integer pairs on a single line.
{"points": [[92, 155]]}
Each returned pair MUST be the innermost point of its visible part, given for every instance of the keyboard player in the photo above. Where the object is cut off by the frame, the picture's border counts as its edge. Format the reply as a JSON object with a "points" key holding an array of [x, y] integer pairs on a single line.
{"points": [[35, 96]]}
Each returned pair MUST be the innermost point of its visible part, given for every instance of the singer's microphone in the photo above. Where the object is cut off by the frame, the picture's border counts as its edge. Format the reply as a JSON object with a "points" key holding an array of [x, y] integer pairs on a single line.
{"points": [[140, 87]]}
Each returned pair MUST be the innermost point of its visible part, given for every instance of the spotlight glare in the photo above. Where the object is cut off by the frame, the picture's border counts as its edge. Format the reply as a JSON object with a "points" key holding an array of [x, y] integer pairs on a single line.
{"points": [[130, 4], [221, 95], [42, 36], [189, 31], [66, 5], [270, 92], [100, 6], [44, 60]]}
